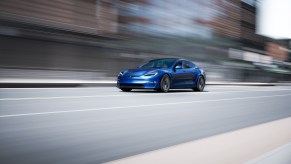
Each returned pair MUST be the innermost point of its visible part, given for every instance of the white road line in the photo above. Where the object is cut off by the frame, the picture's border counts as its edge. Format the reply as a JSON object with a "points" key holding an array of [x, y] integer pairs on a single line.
{"points": [[134, 94], [137, 106], [57, 88]]}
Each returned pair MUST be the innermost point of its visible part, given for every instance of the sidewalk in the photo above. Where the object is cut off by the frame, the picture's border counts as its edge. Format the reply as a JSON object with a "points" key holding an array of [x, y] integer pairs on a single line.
{"points": [[26, 83], [35, 83], [279, 155]]}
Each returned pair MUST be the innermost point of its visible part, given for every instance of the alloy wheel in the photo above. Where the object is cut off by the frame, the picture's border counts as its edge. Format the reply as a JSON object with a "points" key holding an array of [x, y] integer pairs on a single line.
{"points": [[165, 83]]}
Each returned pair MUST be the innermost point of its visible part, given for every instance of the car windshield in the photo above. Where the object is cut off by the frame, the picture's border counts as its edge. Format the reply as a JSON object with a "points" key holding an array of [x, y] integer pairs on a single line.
{"points": [[158, 63]]}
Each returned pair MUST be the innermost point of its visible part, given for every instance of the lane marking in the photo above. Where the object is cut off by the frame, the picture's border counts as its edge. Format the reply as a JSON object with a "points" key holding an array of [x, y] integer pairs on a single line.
{"points": [[137, 106], [132, 94], [56, 88]]}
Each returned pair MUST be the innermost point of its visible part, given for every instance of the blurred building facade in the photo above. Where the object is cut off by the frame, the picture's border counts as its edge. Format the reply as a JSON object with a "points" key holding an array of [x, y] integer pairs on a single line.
{"points": [[87, 16], [233, 19], [166, 18], [248, 26], [187, 18], [89, 34]]}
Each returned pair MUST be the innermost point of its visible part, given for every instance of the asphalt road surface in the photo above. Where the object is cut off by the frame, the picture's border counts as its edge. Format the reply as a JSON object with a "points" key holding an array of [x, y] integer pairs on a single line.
{"points": [[95, 125]]}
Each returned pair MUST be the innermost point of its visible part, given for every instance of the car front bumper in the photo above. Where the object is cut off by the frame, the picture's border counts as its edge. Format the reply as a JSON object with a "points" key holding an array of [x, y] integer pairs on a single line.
{"points": [[138, 83]]}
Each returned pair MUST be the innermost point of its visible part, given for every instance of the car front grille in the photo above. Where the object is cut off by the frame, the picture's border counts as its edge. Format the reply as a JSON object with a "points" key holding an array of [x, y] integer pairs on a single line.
{"points": [[132, 85]]}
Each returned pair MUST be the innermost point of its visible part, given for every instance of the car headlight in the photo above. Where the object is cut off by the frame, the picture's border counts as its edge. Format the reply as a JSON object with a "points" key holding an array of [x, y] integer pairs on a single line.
{"points": [[151, 74]]}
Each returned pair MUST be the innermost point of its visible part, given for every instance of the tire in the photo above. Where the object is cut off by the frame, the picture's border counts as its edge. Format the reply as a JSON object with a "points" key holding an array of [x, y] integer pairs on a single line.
{"points": [[126, 89], [165, 84], [200, 84]]}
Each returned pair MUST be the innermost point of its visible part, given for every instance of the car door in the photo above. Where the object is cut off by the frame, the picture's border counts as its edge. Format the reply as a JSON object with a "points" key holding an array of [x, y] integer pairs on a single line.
{"points": [[180, 76], [189, 73]]}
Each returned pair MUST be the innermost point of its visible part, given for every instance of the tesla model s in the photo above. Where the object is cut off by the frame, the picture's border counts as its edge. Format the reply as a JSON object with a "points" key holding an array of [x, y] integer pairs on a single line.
{"points": [[163, 75]]}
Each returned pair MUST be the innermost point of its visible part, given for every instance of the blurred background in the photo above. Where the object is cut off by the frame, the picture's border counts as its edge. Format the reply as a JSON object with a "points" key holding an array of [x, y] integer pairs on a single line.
{"points": [[233, 40]]}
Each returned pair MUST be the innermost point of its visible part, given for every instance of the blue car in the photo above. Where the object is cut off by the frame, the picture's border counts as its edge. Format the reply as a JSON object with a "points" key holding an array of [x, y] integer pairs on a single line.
{"points": [[163, 75]]}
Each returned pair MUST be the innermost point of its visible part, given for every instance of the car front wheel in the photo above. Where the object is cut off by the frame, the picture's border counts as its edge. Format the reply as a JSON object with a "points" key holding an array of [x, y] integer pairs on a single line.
{"points": [[165, 84]]}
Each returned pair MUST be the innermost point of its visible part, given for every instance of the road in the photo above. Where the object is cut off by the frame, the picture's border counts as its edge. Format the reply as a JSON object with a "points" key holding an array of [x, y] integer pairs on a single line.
{"points": [[96, 125]]}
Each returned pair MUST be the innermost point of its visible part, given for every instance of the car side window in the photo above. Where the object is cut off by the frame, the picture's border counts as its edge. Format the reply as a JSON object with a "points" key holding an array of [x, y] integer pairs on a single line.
{"points": [[178, 63], [187, 64], [192, 65]]}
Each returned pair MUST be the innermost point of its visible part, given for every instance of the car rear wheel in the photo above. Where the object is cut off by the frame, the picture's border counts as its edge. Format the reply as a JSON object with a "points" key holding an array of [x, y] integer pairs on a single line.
{"points": [[126, 89], [165, 84], [200, 84]]}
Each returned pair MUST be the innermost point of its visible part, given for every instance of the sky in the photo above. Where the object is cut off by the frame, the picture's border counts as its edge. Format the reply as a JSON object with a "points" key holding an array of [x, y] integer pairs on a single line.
{"points": [[274, 18]]}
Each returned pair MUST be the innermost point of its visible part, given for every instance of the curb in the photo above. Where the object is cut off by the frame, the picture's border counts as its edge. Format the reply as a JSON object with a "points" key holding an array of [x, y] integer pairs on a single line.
{"points": [[54, 85], [113, 84], [47, 83], [241, 84]]}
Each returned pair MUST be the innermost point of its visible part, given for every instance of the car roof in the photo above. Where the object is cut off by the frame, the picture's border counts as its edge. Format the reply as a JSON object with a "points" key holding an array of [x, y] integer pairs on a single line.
{"points": [[169, 58]]}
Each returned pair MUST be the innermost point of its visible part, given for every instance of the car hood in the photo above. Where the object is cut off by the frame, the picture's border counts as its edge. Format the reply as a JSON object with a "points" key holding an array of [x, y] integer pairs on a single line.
{"points": [[138, 71]]}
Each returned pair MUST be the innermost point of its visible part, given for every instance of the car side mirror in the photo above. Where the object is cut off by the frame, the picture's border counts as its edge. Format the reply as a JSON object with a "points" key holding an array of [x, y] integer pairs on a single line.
{"points": [[178, 67]]}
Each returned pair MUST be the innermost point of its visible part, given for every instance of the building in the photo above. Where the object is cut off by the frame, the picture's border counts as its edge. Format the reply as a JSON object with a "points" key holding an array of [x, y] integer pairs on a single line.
{"points": [[84, 16], [248, 35]]}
